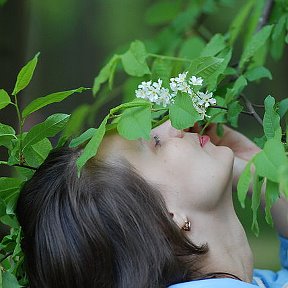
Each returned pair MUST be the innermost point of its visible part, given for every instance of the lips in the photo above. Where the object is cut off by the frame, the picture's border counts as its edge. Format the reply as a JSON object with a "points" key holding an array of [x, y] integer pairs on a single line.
{"points": [[203, 139]]}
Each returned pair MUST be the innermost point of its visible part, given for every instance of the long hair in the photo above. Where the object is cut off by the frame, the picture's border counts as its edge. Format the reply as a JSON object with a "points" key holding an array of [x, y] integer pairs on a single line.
{"points": [[107, 228]]}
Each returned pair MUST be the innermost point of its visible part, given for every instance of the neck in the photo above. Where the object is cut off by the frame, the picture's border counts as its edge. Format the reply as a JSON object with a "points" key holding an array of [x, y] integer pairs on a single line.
{"points": [[229, 251]]}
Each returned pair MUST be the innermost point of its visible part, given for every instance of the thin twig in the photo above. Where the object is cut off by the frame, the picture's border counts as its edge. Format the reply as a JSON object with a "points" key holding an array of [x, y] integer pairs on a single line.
{"points": [[225, 108], [251, 109], [265, 15], [18, 165], [258, 105], [25, 166]]}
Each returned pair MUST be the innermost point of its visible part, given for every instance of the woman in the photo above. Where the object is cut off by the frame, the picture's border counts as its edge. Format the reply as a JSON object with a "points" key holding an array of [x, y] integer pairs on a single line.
{"points": [[144, 214]]}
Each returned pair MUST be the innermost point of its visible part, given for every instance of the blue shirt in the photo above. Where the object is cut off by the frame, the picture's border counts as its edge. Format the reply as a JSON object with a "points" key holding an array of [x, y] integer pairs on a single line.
{"points": [[261, 278]]}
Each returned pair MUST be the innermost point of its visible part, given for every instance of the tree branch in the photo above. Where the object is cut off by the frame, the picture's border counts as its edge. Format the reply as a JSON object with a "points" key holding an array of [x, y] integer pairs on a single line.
{"points": [[251, 109]]}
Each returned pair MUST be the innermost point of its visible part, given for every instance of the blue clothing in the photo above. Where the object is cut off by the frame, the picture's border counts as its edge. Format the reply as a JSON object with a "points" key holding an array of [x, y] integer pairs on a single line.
{"points": [[261, 278]]}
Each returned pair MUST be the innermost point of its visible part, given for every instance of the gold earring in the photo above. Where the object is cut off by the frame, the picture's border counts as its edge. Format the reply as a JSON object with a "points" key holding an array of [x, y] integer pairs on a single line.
{"points": [[186, 226]]}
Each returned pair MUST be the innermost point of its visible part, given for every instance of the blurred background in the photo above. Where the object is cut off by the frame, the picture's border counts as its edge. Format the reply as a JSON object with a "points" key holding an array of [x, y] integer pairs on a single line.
{"points": [[76, 38]]}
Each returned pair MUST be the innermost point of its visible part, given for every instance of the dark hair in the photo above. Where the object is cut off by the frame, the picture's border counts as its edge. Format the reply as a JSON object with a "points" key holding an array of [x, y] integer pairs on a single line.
{"points": [[107, 228]]}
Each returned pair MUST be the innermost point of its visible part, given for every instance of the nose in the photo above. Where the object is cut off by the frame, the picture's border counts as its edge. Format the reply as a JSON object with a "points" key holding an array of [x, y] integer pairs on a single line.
{"points": [[166, 130]]}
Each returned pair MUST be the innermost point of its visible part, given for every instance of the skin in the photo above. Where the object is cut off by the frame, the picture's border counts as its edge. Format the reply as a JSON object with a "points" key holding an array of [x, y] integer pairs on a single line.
{"points": [[196, 183]]}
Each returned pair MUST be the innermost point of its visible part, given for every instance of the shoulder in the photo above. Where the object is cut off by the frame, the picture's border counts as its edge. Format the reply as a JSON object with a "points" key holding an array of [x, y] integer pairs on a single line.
{"points": [[271, 279], [214, 283]]}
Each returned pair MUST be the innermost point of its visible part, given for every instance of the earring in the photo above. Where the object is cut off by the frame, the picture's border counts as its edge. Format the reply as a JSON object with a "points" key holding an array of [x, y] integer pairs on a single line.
{"points": [[186, 226]]}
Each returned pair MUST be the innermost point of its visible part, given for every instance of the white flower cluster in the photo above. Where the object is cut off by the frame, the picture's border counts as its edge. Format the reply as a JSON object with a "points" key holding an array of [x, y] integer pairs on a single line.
{"points": [[155, 93]]}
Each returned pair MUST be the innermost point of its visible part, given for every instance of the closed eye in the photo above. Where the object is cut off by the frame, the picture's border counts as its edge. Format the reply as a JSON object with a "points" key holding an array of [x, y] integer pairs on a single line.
{"points": [[157, 140]]}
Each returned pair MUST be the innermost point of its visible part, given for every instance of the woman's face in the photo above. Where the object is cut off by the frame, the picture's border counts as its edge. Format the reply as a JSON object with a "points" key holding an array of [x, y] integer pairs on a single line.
{"points": [[186, 173]]}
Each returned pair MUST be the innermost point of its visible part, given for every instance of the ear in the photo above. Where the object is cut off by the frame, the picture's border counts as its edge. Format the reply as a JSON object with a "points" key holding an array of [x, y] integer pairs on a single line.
{"points": [[178, 218]]}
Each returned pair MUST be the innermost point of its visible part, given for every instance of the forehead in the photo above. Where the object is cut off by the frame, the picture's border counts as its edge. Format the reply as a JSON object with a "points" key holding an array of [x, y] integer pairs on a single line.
{"points": [[113, 145]]}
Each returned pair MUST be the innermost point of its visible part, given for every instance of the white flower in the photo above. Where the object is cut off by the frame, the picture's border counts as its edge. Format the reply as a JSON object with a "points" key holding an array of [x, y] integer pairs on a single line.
{"points": [[145, 85], [164, 98], [184, 87], [173, 85], [196, 81], [140, 93], [157, 85], [205, 99], [154, 92], [181, 77]]}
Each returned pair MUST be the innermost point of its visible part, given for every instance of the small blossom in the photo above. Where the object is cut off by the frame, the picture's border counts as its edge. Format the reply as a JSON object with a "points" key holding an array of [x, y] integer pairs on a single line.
{"points": [[184, 87], [157, 85], [181, 77], [205, 99], [145, 85], [164, 98], [196, 81]]}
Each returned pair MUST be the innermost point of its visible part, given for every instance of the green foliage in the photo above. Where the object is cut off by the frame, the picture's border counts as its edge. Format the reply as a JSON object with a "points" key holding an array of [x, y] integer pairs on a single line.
{"points": [[256, 42], [49, 99], [25, 75], [183, 43], [134, 60], [4, 99], [92, 146], [182, 113], [271, 120]]}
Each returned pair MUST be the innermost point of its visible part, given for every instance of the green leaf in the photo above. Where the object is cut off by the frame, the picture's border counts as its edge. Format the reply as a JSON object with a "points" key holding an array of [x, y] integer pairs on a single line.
{"points": [[257, 41], [260, 141], [7, 133], [182, 113], [213, 79], [257, 73], [239, 20], [9, 187], [9, 192], [49, 99], [214, 46], [25, 75], [9, 280], [135, 123], [191, 48], [271, 120], [251, 24], [134, 60], [238, 87], [36, 154], [49, 128], [162, 12], [244, 183], [106, 73], [4, 99], [88, 134], [218, 115], [269, 161], [256, 197], [278, 38], [92, 146], [205, 66], [161, 69], [234, 110], [271, 195], [74, 124], [2, 2], [135, 103], [283, 107], [279, 27]]}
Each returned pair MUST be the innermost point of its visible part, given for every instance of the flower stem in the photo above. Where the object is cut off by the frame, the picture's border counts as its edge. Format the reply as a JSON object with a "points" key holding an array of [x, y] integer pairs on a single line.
{"points": [[20, 123]]}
